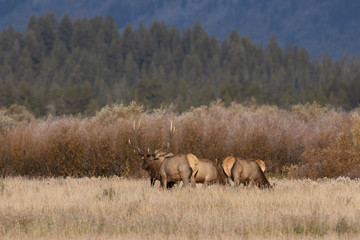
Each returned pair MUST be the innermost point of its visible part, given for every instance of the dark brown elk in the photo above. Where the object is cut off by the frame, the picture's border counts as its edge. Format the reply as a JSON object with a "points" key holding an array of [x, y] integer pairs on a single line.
{"points": [[151, 161], [245, 171], [166, 166]]}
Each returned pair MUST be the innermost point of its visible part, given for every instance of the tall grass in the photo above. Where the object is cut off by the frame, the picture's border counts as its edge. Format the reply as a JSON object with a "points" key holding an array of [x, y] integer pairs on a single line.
{"points": [[305, 141], [114, 208]]}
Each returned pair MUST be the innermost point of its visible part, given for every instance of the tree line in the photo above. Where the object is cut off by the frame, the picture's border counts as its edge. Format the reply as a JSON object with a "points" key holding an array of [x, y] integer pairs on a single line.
{"points": [[65, 66]]}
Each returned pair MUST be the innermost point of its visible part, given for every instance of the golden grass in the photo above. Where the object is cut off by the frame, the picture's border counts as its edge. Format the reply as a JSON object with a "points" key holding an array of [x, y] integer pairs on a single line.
{"points": [[113, 208]]}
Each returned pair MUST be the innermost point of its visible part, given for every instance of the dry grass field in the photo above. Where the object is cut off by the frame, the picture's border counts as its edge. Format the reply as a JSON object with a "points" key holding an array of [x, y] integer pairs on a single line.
{"points": [[114, 208]]}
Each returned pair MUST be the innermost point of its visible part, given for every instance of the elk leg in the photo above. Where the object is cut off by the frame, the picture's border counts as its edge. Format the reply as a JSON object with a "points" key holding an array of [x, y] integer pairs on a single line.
{"points": [[152, 181], [228, 181], [236, 180], [186, 180], [193, 182], [164, 181], [170, 185], [246, 182]]}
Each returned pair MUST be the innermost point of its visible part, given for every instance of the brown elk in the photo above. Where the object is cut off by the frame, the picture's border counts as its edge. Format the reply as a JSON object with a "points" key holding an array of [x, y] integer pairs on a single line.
{"points": [[209, 173], [245, 171], [167, 167], [151, 161], [182, 167]]}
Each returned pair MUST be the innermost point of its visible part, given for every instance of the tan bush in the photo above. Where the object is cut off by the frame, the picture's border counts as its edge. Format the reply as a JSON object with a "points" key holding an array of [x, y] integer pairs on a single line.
{"points": [[19, 113], [6, 123], [337, 152], [310, 111], [109, 114], [321, 146]]}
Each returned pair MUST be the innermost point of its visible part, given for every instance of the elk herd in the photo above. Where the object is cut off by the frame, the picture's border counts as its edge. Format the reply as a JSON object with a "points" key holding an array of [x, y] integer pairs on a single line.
{"points": [[171, 169]]}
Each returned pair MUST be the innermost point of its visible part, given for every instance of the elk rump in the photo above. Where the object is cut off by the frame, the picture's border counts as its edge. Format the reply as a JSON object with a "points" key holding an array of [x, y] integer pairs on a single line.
{"points": [[182, 167], [209, 173], [244, 171]]}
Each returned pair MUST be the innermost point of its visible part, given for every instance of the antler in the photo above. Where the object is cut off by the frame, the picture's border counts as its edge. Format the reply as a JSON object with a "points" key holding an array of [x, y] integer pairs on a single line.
{"points": [[136, 132], [172, 133]]}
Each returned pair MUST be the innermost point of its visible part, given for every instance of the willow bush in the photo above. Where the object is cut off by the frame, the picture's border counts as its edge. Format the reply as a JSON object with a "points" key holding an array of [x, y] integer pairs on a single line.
{"points": [[304, 141]]}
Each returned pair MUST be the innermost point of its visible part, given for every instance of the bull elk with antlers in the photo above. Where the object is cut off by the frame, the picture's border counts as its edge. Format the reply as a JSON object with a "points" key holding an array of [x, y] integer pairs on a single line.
{"points": [[167, 167]]}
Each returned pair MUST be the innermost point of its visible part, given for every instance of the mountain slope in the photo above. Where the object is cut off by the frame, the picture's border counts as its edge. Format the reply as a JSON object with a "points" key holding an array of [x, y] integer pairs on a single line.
{"points": [[320, 26]]}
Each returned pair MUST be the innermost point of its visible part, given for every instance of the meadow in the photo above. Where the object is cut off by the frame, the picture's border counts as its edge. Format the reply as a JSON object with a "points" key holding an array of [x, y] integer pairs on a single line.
{"points": [[119, 208], [77, 177]]}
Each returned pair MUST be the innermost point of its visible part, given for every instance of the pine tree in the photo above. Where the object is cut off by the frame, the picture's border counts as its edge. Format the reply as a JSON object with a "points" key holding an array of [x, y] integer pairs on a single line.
{"points": [[34, 46], [131, 70], [146, 46], [47, 26], [65, 30], [83, 35], [129, 43]]}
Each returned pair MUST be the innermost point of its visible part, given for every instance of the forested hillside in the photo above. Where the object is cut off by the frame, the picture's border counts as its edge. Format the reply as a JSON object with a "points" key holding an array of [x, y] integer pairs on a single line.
{"points": [[320, 26], [71, 66]]}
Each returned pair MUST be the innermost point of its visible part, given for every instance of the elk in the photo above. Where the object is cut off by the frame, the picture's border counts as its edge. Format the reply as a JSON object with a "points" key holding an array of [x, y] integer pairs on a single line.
{"points": [[151, 161], [209, 173], [245, 171], [182, 167], [167, 167]]}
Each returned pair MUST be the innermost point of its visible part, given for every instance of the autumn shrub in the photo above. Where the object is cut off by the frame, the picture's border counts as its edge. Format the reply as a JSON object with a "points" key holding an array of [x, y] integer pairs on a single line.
{"points": [[61, 147], [324, 143], [18, 113], [6, 122], [337, 152], [13, 116], [310, 111], [109, 114]]}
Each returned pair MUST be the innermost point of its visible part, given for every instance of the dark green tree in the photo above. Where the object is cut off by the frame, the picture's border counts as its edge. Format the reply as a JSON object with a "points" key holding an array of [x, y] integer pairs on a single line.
{"points": [[47, 27], [65, 30]]}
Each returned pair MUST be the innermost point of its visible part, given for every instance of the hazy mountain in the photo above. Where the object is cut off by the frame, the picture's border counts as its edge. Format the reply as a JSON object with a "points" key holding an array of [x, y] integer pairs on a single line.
{"points": [[321, 26]]}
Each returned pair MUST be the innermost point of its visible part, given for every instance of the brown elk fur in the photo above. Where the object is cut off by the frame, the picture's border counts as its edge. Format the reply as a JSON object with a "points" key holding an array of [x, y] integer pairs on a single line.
{"points": [[152, 164], [245, 171], [261, 164], [209, 173], [179, 167]]}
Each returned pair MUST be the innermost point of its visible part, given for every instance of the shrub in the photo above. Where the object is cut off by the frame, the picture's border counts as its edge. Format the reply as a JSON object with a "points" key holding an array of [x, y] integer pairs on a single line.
{"points": [[109, 114], [19, 113], [321, 146], [310, 111], [6, 123], [336, 153]]}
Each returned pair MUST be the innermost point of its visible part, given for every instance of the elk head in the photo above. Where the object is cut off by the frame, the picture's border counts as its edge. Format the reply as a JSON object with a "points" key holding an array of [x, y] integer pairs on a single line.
{"points": [[151, 159]]}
